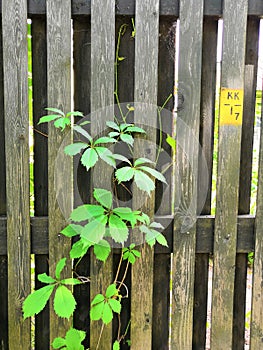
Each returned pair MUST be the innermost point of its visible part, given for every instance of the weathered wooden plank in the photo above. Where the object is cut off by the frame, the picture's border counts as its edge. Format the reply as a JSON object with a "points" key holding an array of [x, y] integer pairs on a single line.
{"points": [[14, 21], [228, 174], [187, 128], [257, 297], [206, 141], [3, 258], [127, 7], [163, 202], [39, 75], [245, 179], [59, 96], [145, 93], [102, 100]]}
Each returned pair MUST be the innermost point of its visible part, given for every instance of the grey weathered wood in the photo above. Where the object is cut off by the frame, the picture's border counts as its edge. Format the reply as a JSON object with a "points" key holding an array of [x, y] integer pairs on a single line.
{"points": [[101, 100], [227, 186], [14, 15], [127, 7], [257, 298], [59, 96], [206, 141], [145, 93], [3, 259], [183, 262]]}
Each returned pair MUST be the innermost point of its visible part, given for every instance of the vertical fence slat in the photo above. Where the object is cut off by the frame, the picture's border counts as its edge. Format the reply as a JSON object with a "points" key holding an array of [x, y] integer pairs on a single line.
{"points": [[145, 91], [162, 262], [14, 17], [228, 175], [39, 75], [189, 84], [59, 96], [3, 258], [206, 141], [257, 297], [101, 100]]}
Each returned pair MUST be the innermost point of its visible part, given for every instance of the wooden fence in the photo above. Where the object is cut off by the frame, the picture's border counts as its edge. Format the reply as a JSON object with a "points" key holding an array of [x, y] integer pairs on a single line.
{"points": [[146, 75]]}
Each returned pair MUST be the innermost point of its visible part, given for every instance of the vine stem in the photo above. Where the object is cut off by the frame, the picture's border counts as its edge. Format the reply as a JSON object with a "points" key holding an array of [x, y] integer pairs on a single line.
{"points": [[124, 276], [119, 267], [101, 331]]}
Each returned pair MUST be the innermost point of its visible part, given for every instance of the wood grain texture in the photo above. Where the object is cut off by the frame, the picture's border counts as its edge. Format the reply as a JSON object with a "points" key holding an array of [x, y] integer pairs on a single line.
{"points": [[3, 258], [187, 128], [39, 75], [145, 96], [127, 7], [101, 100], [257, 297], [59, 96], [227, 185], [17, 167], [206, 141]]}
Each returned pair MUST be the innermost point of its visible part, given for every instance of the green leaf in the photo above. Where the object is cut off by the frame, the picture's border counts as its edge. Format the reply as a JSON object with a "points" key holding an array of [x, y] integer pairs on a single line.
{"points": [[71, 281], [156, 225], [124, 174], [102, 250], [55, 110], [89, 158], [118, 229], [58, 343], [36, 301], [97, 299], [124, 126], [84, 123], [79, 249], [64, 302], [127, 139], [86, 212], [107, 314], [112, 125], [60, 266], [116, 345], [72, 230], [154, 173], [82, 131], [75, 148], [75, 114], [171, 142], [127, 214], [44, 278], [106, 155], [111, 291], [94, 230], [48, 118], [144, 182], [161, 240], [115, 305], [113, 133], [104, 139], [121, 157], [135, 129], [140, 161], [121, 58], [62, 123], [74, 338], [104, 197]]}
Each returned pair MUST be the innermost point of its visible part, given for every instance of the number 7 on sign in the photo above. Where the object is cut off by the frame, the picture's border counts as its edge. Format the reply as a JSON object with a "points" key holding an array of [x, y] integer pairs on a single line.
{"points": [[231, 106]]}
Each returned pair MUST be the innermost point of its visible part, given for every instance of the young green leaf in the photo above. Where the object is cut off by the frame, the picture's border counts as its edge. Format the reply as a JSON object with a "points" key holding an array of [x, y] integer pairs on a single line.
{"points": [[159, 176], [140, 161], [60, 266], [71, 281], [36, 301], [86, 212], [104, 139], [58, 343], [102, 250], [64, 302], [107, 314], [48, 118], [127, 139], [97, 307], [106, 155], [74, 338], [124, 174], [89, 158], [118, 229], [75, 114], [104, 197], [55, 110], [62, 123], [116, 345], [112, 125], [97, 299], [72, 230], [135, 129], [144, 182], [94, 230], [127, 214], [79, 249], [75, 148], [171, 142], [83, 132], [111, 291], [44, 278], [115, 305]]}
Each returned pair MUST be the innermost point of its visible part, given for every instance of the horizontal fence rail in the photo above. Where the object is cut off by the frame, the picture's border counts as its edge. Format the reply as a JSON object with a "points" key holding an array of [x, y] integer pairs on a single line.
{"points": [[166, 47]]}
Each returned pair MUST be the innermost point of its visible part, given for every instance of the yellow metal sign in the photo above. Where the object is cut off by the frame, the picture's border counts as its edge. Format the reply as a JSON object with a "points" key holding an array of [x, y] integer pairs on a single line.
{"points": [[231, 106]]}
